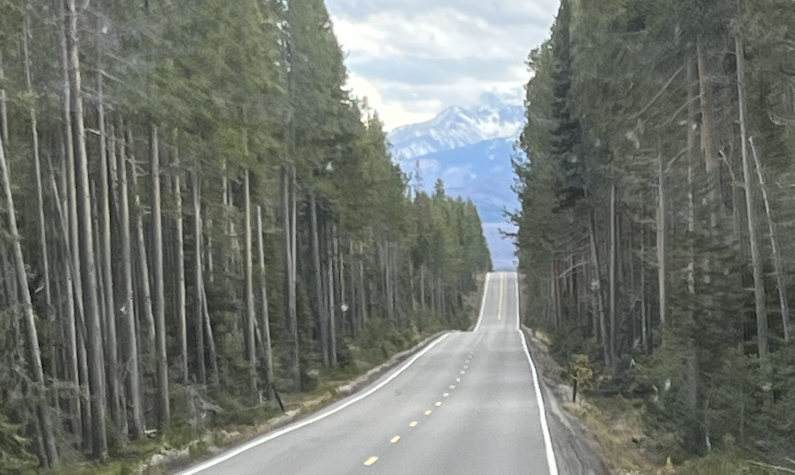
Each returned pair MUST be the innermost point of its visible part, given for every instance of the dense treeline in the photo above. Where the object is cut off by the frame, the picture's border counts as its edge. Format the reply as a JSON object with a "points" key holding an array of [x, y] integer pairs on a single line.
{"points": [[656, 209], [195, 212]]}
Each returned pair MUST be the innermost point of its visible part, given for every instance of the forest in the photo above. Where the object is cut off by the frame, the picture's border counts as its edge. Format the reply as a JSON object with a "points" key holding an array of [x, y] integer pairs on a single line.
{"points": [[197, 214], [657, 211]]}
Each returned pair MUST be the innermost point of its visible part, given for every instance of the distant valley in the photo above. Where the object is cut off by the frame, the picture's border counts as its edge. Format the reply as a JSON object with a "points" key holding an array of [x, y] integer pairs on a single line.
{"points": [[470, 149]]}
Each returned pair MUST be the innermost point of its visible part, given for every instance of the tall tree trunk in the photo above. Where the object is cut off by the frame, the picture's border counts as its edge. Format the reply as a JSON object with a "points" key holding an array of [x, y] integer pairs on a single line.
{"points": [[411, 286], [291, 316], [778, 263], [362, 292], [143, 263], [597, 279], [3, 104], [644, 319], [422, 285], [180, 245], [106, 250], [42, 409], [662, 230], [353, 311], [69, 326], [199, 279], [265, 324], [34, 130], [251, 312], [753, 232], [708, 132], [612, 272], [129, 333], [88, 267], [210, 339], [332, 295], [319, 298], [75, 292], [163, 409]]}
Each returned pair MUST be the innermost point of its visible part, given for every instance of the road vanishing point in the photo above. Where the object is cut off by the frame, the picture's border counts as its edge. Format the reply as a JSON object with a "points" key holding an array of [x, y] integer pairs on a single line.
{"points": [[468, 403]]}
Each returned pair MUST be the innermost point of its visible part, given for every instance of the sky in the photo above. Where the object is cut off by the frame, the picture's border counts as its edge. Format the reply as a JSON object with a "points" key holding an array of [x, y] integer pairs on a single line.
{"points": [[413, 58]]}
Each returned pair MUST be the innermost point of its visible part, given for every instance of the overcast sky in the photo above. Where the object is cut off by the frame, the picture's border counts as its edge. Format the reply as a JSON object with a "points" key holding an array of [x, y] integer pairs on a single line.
{"points": [[413, 58]]}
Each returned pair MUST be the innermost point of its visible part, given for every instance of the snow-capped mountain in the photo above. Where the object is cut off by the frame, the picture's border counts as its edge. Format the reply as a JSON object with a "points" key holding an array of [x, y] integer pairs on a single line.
{"points": [[457, 127], [470, 149]]}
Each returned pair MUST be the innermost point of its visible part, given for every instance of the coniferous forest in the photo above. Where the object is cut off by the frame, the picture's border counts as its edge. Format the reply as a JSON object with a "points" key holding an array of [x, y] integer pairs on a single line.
{"points": [[197, 213], [657, 211]]}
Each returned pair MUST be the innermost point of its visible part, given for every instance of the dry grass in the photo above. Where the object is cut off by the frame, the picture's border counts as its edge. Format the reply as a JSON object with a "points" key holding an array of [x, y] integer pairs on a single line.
{"points": [[630, 449]]}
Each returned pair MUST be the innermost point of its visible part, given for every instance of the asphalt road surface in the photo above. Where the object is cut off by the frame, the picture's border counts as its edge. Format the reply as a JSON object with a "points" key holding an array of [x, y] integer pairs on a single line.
{"points": [[469, 403]]}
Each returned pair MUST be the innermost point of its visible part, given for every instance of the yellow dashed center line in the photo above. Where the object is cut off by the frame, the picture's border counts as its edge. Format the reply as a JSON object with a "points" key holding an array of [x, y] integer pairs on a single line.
{"points": [[427, 413], [371, 461], [463, 372], [394, 439], [438, 403], [452, 386], [457, 380], [413, 424], [466, 367], [445, 394]]}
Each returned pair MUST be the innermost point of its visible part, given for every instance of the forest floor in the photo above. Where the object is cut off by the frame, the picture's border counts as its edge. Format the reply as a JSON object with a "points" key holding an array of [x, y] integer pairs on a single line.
{"points": [[627, 445]]}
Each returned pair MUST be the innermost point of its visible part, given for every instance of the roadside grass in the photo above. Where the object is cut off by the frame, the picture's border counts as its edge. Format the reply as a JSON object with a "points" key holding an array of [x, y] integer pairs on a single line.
{"points": [[630, 448]]}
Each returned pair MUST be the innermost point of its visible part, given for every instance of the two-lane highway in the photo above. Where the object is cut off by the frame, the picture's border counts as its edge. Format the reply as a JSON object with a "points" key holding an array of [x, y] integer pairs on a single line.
{"points": [[469, 403]]}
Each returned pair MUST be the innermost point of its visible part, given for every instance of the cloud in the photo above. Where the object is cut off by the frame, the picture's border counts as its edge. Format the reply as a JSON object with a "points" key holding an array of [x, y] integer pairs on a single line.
{"points": [[421, 56]]}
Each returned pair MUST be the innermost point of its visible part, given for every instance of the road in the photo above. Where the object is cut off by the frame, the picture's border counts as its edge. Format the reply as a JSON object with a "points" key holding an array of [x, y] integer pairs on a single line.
{"points": [[469, 403]]}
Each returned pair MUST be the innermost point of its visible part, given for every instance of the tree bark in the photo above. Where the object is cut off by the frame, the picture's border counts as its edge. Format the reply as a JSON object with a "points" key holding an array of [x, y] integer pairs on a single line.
{"points": [[130, 335], [778, 263], [753, 232], [42, 409], [320, 305], [86, 245], [111, 343], [43, 248], [143, 263], [362, 291], [180, 245], [708, 132], [265, 325], [612, 272], [163, 409], [662, 230], [291, 317], [251, 312], [199, 280], [3, 104], [596, 287], [210, 339], [75, 293]]}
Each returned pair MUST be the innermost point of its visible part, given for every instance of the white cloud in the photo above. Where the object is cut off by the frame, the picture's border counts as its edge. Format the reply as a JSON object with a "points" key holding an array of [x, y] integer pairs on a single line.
{"points": [[413, 58], [392, 112]]}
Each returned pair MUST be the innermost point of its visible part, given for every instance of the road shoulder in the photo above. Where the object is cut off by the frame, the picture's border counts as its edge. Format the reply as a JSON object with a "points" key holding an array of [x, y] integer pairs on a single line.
{"points": [[576, 451]]}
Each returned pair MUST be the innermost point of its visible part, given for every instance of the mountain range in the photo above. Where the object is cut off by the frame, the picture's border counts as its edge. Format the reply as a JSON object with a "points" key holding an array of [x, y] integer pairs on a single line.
{"points": [[470, 149]]}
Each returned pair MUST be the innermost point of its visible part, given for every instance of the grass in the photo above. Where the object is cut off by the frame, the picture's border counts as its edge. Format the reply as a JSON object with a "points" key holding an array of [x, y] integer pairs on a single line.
{"points": [[631, 449]]}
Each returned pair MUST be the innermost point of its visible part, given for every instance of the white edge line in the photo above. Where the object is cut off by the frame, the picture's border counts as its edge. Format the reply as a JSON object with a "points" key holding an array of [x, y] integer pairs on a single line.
{"points": [[483, 301], [257, 442], [551, 462]]}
